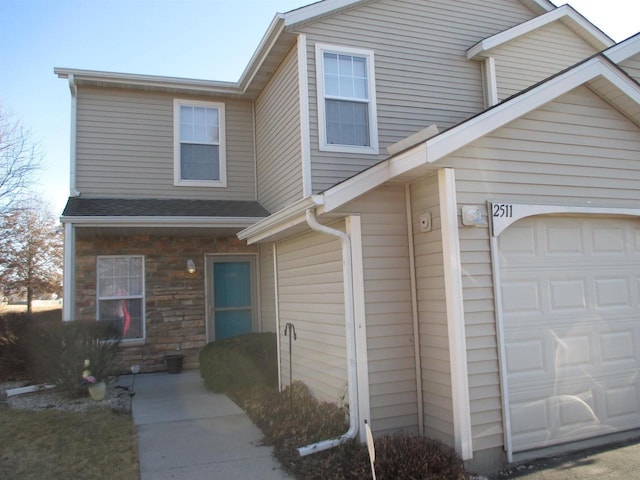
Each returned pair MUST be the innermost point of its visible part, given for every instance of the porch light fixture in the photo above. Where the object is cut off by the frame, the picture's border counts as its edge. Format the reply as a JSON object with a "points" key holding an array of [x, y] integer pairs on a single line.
{"points": [[472, 216], [191, 267]]}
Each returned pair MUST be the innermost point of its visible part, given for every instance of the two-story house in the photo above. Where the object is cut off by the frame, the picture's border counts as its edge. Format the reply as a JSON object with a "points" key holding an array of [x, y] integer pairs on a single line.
{"points": [[441, 197]]}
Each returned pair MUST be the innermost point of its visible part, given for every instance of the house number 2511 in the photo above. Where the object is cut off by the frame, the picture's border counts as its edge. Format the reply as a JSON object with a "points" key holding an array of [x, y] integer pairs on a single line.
{"points": [[502, 210]]}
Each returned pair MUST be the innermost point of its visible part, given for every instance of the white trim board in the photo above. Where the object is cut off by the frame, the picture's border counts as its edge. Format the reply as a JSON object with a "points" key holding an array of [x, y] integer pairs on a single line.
{"points": [[625, 49], [463, 437], [504, 214], [599, 40]]}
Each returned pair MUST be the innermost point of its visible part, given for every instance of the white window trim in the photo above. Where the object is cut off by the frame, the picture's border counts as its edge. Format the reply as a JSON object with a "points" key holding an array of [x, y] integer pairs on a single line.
{"points": [[142, 296], [177, 177], [323, 146]]}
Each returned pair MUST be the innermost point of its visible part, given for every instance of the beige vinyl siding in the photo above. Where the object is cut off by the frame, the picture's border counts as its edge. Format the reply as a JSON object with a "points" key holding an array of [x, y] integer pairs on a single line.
{"points": [[576, 150], [434, 337], [267, 288], [310, 296], [422, 42], [125, 147], [632, 66], [540, 54], [278, 145], [387, 289]]}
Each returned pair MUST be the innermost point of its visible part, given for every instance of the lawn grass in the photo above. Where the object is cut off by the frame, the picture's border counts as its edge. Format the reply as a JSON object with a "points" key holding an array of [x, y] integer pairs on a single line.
{"points": [[53, 444]]}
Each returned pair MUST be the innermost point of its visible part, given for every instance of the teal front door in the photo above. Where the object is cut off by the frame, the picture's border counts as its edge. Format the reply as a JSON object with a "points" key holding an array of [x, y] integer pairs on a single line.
{"points": [[232, 309]]}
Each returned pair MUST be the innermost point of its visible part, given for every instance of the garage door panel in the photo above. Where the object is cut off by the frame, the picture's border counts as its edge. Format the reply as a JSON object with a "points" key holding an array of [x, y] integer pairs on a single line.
{"points": [[607, 240], [571, 325], [619, 348], [521, 297], [526, 360], [612, 292], [562, 240], [567, 295]]}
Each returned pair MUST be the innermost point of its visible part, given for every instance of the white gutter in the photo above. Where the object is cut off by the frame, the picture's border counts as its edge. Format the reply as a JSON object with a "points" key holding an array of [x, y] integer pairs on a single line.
{"points": [[160, 221], [288, 217], [350, 335]]}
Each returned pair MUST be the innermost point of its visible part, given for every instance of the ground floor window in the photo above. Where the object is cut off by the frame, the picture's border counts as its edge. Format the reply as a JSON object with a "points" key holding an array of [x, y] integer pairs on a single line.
{"points": [[120, 290]]}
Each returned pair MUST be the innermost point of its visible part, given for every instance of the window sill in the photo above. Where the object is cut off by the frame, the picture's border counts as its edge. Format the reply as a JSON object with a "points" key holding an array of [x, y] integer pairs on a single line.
{"points": [[200, 183], [349, 149], [134, 342]]}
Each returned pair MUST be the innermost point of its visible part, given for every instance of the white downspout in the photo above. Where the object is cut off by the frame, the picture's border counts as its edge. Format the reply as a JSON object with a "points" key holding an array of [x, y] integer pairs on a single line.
{"points": [[414, 308], [73, 187], [350, 335]]}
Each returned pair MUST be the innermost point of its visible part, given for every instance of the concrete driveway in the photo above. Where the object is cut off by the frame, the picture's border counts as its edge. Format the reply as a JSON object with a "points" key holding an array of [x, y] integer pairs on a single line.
{"points": [[619, 461]]}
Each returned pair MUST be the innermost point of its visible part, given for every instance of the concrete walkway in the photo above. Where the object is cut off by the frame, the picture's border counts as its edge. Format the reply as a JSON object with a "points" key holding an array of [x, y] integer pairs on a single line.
{"points": [[186, 432]]}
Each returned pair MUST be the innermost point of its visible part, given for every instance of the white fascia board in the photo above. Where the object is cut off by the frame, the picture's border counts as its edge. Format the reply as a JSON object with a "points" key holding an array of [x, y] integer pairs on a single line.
{"points": [[161, 222], [492, 119], [598, 38], [280, 221], [625, 49], [373, 177], [537, 5], [262, 51], [315, 10], [155, 81]]}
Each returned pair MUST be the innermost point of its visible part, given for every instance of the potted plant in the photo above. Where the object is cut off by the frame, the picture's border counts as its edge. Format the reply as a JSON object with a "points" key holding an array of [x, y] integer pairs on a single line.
{"points": [[96, 386]]}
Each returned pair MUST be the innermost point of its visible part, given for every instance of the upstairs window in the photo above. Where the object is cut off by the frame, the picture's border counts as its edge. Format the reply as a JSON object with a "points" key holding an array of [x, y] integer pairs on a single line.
{"points": [[347, 119], [199, 144]]}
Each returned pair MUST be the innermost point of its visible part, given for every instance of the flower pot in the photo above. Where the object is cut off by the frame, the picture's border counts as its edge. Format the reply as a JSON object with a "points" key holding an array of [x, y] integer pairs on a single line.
{"points": [[174, 363], [98, 391]]}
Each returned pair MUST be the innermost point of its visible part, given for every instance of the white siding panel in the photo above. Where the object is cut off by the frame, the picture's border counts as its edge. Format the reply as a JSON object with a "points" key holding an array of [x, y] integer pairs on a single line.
{"points": [[531, 58], [310, 287], [278, 148], [576, 150], [438, 84], [387, 287], [125, 147]]}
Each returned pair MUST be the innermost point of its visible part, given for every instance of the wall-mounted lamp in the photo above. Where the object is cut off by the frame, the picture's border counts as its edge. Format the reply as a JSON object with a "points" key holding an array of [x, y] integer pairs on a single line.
{"points": [[472, 215], [191, 266]]}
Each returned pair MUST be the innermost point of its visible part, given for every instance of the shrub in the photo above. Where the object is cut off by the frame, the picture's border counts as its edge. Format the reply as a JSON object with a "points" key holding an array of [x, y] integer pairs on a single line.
{"points": [[239, 362], [293, 418], [58, 351], [14, 329], [403, 456]]}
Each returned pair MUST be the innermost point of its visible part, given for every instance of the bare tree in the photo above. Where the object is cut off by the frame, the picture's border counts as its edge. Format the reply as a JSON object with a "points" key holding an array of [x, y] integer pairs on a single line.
{"points": [[30, 251], [20, 158]]}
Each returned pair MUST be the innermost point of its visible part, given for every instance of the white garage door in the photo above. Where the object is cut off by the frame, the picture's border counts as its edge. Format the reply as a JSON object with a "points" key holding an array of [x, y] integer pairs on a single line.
{"points": [[570, 289]]}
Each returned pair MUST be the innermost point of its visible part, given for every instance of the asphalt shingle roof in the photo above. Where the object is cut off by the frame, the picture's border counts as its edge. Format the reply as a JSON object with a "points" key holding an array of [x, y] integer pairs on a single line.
{"points": [[151, 207]]}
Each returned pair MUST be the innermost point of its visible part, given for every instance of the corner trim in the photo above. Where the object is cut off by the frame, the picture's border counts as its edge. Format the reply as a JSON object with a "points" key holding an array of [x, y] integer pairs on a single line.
{"points": [[455, 313]]}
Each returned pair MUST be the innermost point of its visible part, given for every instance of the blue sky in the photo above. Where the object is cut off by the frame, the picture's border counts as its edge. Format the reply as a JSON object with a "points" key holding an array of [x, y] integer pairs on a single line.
{"points": [[208, 39]]}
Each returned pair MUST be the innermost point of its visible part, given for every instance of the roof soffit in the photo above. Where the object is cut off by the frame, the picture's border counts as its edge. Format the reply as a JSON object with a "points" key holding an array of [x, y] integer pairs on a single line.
{"points": [[565, 14]]}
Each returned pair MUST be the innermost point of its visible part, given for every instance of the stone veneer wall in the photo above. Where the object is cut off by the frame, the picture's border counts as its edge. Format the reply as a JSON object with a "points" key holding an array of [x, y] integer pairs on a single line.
{"points": [[175, 300]]}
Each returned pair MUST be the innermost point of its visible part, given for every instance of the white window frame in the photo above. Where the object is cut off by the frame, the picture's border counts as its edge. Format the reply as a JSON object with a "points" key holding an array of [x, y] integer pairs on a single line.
{"points": [[372, 149], [141, 297], [177, 173]]}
